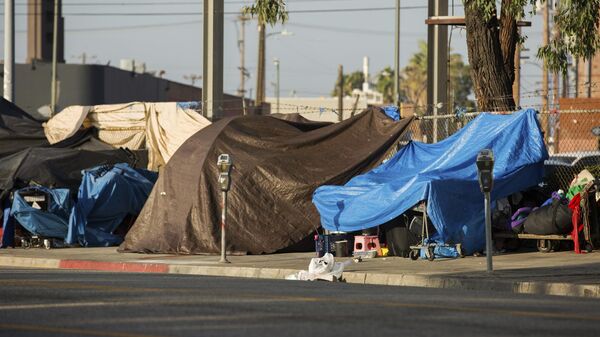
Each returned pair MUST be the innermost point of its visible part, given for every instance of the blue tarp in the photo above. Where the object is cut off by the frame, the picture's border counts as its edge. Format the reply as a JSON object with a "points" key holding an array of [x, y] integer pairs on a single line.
{"points": [[106, 195], [50, 222], [392, 112], [445, 175]]}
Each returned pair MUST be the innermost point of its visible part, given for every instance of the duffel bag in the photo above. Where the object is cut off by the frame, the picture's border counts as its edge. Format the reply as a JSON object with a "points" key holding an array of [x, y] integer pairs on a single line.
{"points": [[550, 219]]}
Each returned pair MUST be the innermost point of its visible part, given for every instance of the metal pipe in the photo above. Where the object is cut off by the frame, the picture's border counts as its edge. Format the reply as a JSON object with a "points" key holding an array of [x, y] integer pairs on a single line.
{"points": [[488, 232], [9, 50]]}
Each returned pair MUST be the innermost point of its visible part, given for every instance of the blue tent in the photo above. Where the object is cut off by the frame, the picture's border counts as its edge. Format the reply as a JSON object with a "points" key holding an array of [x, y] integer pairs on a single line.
{"points": [[50, 222], [107, 194], [445, 175]]}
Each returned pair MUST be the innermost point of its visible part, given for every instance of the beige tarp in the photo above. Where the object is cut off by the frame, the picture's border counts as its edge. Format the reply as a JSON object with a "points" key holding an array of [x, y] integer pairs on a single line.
{"points": [[159, 127]]}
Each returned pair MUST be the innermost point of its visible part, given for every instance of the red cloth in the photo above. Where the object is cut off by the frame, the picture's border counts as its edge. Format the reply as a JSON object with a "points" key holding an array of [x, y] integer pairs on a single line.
{"points": [[575, 206]]}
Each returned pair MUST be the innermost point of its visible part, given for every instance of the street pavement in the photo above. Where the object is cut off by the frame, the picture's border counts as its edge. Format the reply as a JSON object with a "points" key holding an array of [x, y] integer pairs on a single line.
{"points": [[558, 273], [42, 302]]}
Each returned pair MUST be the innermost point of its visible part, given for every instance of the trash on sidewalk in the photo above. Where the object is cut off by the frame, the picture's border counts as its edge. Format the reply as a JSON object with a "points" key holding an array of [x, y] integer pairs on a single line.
{"points": [[321, 268]]}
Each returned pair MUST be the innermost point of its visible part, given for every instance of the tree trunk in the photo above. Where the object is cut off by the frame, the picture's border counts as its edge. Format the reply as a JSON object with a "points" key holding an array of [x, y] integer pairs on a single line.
{"points": [[491, 75], [508, 39]]}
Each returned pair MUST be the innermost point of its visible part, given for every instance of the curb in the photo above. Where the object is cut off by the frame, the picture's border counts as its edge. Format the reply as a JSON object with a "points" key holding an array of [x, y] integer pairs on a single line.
{"points": [[404, 280]]}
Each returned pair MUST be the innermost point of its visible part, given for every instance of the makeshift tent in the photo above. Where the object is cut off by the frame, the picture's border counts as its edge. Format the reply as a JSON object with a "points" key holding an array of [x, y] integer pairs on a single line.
{"points": [[276, 168], [19, 131], [106, 196], [47, 217], [445, 175], [300, 121], [158, 127], [60, 168]]}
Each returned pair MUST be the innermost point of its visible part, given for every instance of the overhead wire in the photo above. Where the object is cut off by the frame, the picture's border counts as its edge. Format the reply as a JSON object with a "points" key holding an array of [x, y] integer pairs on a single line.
{"points": [[188, 13]]}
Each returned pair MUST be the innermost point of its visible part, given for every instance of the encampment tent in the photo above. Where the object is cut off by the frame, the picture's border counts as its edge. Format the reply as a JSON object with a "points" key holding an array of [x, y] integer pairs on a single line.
{"points": [[19, 131], [158, 127], [445, 175], [277, 166], [106, 196]]}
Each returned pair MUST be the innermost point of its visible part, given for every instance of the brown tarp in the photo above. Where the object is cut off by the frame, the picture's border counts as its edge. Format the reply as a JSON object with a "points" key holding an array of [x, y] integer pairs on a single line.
{"points": [[277, 167]]}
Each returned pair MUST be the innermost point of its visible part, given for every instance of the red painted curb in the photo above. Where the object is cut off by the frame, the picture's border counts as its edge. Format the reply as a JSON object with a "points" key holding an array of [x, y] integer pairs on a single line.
{"points": [[114, 266]]}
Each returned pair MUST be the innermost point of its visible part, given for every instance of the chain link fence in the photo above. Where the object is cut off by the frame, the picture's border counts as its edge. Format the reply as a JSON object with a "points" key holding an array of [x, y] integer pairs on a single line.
{"points": [[568, 134]]}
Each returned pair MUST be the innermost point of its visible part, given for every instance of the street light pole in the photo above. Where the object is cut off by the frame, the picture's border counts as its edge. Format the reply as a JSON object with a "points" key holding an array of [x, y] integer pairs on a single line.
{"points": [[276, 62], [9, 50]]}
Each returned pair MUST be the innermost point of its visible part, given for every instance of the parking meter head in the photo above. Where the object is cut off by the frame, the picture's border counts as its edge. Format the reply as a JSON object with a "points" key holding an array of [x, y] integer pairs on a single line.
{"points": [[485, 170], [224, 164]]}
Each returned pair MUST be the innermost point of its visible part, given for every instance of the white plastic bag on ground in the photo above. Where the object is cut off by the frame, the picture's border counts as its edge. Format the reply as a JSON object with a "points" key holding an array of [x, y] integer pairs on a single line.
{"points": [[323, 268]]}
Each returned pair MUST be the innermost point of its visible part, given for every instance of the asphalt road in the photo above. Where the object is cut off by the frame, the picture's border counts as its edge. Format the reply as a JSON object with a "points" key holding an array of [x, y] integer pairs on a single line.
{"points": [[36, 302]]}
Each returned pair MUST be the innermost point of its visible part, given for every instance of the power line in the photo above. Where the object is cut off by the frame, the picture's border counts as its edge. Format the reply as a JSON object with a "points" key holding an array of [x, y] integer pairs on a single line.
{"points": [[297, 11], [163, 2]]}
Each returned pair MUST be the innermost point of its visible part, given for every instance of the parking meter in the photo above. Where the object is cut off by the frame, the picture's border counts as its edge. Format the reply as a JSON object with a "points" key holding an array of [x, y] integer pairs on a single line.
{"points": [[485, 173], [224, 164], [485, 170]]}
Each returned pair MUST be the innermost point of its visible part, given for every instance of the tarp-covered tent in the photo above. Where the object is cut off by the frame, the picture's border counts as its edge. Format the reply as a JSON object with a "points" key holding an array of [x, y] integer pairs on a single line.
{"points": [[52, 221], [106, 196], [19, 131], [158, 127], [445, 175], [277, 167], [53, 167]]}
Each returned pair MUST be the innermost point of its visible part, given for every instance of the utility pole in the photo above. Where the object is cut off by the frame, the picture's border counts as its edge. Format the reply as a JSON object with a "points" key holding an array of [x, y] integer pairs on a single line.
{"points": [[54, 59], [437, 44], [517, 82], [212, 75], [276, 63], [260, 73], [340, 93], [546, 33], [9, 50], [397, 57]]}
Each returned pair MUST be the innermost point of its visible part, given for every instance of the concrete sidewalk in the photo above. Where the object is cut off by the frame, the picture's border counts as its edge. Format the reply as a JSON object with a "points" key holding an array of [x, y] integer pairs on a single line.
{"points": [[560, 273]]}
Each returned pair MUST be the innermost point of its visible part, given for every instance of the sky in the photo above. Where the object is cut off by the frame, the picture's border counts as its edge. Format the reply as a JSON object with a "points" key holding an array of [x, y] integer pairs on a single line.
{"points": [[167, 35]]}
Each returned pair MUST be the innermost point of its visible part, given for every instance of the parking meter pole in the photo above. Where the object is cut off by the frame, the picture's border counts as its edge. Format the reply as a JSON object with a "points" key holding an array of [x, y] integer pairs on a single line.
{"points": [[488, 232], [223, 222], [224, 164], [485, 175]]}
